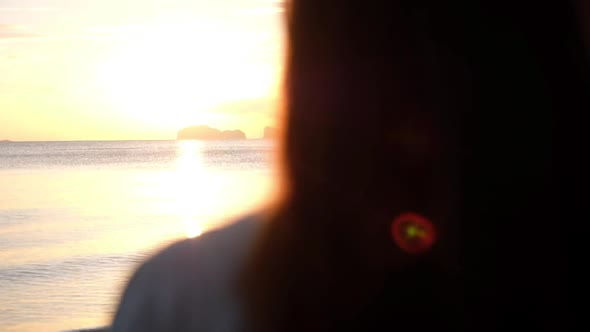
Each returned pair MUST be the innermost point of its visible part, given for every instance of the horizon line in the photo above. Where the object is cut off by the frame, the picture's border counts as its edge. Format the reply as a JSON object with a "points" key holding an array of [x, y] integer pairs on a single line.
{"points": [[119, 140]]}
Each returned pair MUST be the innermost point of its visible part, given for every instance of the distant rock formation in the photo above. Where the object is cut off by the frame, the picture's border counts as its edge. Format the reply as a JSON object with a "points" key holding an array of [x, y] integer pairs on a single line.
{"points": [[5, 141], [270, 132], [208, 133]]}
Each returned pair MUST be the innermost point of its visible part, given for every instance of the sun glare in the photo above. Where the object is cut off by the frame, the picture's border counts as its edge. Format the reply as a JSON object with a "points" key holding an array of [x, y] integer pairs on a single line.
{"points": [[189, 189], [192, 230], [173, 74]]}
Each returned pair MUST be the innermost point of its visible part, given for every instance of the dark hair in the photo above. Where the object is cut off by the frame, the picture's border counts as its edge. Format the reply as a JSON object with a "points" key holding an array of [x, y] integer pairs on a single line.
{"points": [[441, 108]]}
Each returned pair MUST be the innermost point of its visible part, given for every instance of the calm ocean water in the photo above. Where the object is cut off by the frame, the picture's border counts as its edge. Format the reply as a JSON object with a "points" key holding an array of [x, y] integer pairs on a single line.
{"points": [[77, 217]]}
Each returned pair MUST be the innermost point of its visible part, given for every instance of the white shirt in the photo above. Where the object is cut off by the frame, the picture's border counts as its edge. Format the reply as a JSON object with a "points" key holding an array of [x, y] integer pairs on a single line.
{"points": [[189, 286]]}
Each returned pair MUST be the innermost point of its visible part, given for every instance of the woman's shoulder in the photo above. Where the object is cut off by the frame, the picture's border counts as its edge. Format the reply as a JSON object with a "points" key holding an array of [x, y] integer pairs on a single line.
{"points": [[217, 249], [192, 276]]}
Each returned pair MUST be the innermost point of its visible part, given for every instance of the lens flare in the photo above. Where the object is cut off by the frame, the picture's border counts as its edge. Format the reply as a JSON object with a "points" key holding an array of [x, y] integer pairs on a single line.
{"points": [[413, 233]]}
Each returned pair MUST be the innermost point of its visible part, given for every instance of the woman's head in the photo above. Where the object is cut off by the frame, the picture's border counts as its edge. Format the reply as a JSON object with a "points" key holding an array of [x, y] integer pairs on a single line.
{"points": [[365, 139], [370, 97], [438, 108], [361, 124]]}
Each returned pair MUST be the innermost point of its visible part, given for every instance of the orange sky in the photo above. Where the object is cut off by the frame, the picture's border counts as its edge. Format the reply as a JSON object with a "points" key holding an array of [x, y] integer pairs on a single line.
{"points": [[137, 69]]}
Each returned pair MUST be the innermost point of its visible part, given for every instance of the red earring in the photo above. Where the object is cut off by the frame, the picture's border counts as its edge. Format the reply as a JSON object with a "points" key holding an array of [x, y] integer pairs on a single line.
{"points": [[413, 233]]}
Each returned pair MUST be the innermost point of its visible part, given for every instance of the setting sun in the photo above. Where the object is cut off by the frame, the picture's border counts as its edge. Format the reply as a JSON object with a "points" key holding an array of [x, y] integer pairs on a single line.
{"points": [[172, 73]]}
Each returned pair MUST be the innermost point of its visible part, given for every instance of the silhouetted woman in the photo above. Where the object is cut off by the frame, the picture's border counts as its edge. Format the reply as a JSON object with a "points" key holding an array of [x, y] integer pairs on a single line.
{"points": [[417, 158]]}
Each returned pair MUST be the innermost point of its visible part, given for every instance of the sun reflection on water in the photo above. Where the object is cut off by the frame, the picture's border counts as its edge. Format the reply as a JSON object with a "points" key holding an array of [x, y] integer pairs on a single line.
{"points": [[204, 196], [191, 180]]}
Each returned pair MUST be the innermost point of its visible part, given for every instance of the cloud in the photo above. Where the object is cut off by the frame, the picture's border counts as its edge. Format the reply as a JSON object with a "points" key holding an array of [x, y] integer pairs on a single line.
{"points": [[28, 9], [15, 31], [19, 33]]}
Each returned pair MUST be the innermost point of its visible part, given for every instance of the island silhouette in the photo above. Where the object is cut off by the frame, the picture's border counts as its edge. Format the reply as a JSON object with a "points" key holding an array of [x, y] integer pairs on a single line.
{"points": [[203, 132]]}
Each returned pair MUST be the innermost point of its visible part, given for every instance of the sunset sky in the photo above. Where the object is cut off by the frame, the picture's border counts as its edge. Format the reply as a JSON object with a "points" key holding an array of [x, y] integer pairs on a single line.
{"points": [[137, 69]]}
